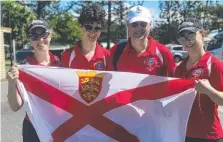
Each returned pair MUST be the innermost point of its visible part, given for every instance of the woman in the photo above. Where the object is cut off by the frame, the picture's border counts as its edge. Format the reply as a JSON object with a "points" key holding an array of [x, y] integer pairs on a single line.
{"points": [[40, 36], [87, 53], [207, 71]]}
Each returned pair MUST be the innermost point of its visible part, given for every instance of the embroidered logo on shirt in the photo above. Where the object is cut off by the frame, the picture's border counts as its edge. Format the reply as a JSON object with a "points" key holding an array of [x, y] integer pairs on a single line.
{"points": [[197, 73], [150, 62], [99, 66]]}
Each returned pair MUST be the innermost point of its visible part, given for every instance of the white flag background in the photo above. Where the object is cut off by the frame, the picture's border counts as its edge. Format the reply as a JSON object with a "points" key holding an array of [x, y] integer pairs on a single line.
{"points": [[96, 106]]}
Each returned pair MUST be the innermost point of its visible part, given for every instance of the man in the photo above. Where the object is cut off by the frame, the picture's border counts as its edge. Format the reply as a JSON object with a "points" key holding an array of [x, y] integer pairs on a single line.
{"points": [[141, 53], [87, 53]]}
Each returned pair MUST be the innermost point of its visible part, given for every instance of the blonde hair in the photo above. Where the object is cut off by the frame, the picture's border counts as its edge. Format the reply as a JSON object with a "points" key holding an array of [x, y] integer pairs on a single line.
{"points": [[203, 32]]}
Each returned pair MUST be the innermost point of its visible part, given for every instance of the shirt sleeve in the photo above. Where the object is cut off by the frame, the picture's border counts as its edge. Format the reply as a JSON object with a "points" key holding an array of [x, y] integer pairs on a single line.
{"points": [[216, 76]]}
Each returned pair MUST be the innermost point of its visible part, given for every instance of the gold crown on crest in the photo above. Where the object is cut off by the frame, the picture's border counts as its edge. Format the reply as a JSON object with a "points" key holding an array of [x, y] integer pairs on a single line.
{"points": [[90, 74]]}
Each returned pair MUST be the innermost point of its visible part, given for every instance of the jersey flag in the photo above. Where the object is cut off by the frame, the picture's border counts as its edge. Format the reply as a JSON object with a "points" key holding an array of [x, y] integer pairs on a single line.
{"points": [[67, 105]]}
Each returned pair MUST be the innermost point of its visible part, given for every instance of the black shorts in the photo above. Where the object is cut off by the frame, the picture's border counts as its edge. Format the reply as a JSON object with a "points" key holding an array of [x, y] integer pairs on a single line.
{"points": [[201, 140], [28, 132]]}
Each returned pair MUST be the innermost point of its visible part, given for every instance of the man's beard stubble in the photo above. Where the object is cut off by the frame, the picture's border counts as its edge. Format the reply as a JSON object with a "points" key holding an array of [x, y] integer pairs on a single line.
{"points": [[140, 34]]}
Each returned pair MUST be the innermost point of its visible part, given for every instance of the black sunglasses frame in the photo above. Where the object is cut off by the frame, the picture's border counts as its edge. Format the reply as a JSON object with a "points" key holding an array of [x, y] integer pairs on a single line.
{"points": [[136, 24], [35, 37], [90, 28]]}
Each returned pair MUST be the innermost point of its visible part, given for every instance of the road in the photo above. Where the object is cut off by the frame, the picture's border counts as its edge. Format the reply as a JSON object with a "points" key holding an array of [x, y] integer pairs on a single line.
{"points": [[11, 122]]}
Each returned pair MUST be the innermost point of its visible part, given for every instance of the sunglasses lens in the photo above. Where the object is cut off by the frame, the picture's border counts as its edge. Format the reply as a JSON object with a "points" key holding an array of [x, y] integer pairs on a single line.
{"points": [[134, 25], [180, 40], [45, 35], [191, 37], [34, 37], [143, 24], [98, 28], [88, 27]]}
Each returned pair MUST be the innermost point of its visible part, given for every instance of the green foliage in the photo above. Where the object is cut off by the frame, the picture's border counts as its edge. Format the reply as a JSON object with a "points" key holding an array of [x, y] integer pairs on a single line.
{"points": [[174, 12], [66, 28], [18, 18], [60, 15]]}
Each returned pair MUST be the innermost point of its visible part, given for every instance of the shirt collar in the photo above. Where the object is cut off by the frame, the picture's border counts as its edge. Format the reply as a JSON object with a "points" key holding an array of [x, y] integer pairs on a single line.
{"points": [[98, 50], [53, 60], [151, 44], [201, 63]]}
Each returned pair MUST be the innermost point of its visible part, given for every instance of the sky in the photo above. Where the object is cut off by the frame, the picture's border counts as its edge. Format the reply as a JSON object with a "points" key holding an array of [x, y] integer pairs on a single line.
{"points": [[154, 8], [152, 5]]}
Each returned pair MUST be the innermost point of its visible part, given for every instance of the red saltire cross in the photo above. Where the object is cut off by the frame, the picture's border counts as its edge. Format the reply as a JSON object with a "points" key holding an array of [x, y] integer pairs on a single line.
{"points": [[93, 114]]}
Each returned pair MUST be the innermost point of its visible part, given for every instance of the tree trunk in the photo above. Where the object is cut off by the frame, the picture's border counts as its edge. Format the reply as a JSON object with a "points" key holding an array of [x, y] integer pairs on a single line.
{"points": [[109, 25]]}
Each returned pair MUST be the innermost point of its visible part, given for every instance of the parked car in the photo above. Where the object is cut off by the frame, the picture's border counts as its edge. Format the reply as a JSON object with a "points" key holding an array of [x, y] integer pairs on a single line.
{"points": [[104, 44], [215, 46], [27, 50], [215, 32], [177, 51]]}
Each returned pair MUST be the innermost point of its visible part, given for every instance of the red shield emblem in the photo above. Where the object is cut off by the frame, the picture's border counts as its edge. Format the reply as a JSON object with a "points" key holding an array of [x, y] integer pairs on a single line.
{"points": [[197, 73], [89, 85]]}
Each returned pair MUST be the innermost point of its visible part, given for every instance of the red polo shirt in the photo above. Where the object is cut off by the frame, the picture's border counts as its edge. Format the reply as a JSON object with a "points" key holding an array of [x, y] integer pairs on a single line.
{"points": [[204, 122], [54, 61], [156, 60], [73, 58]]}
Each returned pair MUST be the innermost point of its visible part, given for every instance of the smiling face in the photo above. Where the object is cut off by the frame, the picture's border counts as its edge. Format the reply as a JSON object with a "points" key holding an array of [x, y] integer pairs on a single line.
{"points": [[91, 31], [192, 41], [40, 39], [138, 30]]}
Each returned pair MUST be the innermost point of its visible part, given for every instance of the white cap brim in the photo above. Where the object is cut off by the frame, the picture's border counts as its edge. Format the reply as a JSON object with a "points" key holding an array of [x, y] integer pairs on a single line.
{"points": [[139, 18]]}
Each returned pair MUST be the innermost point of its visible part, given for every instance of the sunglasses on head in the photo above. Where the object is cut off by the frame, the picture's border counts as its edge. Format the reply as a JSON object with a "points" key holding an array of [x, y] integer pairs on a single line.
{"points": [[34, 37], [186, 36], [136, 24], [91, 28]]}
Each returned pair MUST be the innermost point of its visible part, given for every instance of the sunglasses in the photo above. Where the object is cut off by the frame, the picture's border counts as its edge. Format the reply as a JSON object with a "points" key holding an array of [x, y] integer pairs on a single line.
{"points": [[34, 37], [191, 36], [90, 28], [136, 24]]}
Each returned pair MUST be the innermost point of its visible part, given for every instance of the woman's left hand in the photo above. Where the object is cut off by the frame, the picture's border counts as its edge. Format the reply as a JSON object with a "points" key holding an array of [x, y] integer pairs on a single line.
{"points": [[204, 86]]}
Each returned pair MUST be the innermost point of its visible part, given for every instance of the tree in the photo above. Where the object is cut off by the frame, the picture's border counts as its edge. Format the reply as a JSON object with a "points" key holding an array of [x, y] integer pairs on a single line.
{"points": [[117, 20], [174, 12], [109, 24], [121, 12], [66, 29], [19, 16], [216, 15], [45, 9], [38, 7], [169, 11]]}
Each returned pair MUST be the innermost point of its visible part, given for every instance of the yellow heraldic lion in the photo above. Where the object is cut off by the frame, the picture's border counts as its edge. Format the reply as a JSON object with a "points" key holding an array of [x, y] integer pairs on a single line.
{"points": [[90, 85]]}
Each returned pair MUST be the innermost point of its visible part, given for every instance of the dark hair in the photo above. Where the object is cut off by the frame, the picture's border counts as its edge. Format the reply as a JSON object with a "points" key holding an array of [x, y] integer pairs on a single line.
{"points": [[92, 13]]}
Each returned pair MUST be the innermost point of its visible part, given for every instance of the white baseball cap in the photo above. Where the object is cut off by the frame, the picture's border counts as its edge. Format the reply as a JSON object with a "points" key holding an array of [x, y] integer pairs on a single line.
{"points": [[139, 13]]}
